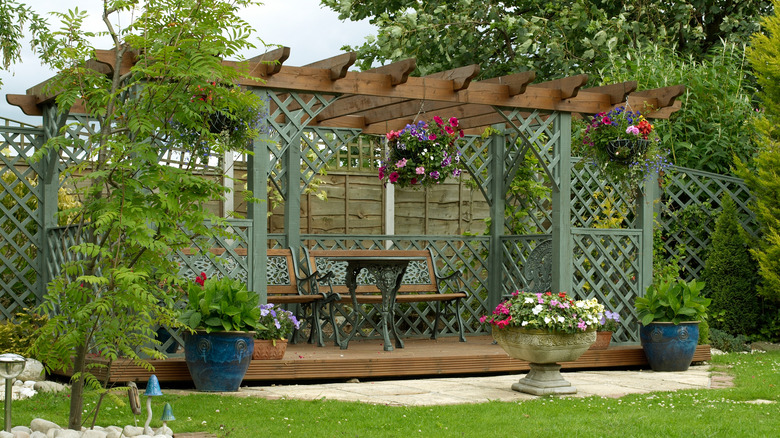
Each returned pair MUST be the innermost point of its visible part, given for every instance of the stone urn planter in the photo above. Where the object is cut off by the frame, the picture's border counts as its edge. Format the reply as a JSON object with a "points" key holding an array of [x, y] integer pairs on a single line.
{"points": [[218, 360], [543, 350]]}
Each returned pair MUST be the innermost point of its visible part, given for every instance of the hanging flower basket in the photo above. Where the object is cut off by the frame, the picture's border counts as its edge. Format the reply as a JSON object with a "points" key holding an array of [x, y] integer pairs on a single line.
{"points": [[624, 146], [220, 121], [627, 150], [423, 155]]}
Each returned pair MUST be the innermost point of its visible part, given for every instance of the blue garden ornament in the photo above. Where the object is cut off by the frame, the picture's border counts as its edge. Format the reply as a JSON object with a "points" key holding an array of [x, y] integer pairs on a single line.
{"points": [[167, 414], [152, 390], [153, 387]]}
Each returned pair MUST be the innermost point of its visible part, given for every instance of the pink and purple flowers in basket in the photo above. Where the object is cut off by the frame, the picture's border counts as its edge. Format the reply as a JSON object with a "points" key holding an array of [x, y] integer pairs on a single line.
{"points": [[423, 154]]}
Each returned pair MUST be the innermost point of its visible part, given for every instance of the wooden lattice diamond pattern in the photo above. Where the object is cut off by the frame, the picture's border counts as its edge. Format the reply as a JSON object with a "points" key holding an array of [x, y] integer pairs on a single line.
{"points": [[595, 203], [691, 202], [20, 221], [606, 266]]}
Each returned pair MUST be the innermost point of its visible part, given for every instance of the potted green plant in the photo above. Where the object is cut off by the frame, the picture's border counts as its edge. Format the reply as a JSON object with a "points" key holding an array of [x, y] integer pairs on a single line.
{"points": [[222, 315], [670, 313], [544, 329], [624, 145], [423, 154], [275, 327]]}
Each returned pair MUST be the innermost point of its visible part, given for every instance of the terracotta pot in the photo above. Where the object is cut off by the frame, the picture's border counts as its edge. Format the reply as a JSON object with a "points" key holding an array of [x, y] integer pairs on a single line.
{"points": [[269, 349], [602, 341]]}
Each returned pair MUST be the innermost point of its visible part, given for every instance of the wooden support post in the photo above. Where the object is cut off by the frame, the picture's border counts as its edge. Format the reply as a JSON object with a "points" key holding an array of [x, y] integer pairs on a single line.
{"points": [[228, 177], [50, 178], [561, 209], [498, 197], [645, 221], [258, 171]]}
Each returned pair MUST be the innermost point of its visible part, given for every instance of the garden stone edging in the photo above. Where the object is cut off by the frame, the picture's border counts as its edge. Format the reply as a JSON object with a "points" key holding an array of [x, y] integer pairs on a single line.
{"points": [[40, 428]]}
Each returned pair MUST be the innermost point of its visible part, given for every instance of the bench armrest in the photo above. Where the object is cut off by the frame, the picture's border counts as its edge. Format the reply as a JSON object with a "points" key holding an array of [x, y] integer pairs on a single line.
{"points": [[453, 280]]}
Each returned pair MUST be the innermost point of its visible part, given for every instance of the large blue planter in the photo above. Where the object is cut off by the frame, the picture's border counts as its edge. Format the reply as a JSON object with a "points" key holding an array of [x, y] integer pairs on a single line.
{"points": [[670, 347], [218, 361]]}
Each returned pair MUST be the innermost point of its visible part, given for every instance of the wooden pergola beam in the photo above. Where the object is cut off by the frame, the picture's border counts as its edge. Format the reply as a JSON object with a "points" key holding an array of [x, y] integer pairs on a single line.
{"points": [[398, 71], [461, 77], [568, 86], [617, 92], [663, 96], [338, 65], [269, 63], [515, 83]]}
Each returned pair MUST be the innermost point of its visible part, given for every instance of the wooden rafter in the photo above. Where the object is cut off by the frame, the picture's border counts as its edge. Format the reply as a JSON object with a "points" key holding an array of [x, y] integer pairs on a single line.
{"points": [[387, 97]]}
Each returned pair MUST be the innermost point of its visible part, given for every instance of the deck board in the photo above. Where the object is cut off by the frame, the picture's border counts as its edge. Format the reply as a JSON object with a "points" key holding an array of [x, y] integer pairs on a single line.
{"points": [[367, 359]]}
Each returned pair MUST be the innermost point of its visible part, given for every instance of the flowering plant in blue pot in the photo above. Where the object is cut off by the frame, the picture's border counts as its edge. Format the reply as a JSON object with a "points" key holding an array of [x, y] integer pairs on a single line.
{"points": [[423, 154]]}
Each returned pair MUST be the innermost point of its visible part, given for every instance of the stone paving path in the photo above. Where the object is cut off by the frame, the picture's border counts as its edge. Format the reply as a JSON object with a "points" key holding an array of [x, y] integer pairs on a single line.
{"points": [[461, 390]]}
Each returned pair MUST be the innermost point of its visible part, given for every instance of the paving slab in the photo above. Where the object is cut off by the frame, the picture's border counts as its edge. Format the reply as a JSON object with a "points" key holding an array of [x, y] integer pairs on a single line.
{"points": [[449, 390]]}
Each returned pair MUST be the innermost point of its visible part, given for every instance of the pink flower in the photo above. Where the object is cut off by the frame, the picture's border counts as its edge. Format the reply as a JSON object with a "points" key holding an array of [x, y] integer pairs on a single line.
{"points": [[392, 135], [438, 120], [606, 120], [420, 170], [632, 130], [454, 122], [401, 163], [393, 177], [432, 136], [449, 129]]}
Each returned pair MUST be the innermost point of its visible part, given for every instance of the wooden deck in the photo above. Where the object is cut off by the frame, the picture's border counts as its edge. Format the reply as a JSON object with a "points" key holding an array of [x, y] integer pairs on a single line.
{"points": [[367, 359]]}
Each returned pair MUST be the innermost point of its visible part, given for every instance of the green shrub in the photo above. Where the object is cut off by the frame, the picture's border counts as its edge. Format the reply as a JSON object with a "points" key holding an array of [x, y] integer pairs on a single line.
{"points": [[731, 276], [704, 332], [17, 336], [728, 343]]}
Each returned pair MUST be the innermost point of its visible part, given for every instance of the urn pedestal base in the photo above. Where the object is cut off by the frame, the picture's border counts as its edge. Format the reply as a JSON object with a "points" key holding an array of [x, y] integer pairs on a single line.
{"points": [[544, 379]]}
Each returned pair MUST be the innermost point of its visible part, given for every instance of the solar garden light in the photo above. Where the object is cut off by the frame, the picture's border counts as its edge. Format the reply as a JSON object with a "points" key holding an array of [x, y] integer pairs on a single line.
{"points": [[152, 390], [11, 365]]}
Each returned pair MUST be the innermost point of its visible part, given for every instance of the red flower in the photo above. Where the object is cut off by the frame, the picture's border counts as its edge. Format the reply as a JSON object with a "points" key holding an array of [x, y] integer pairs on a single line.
{"points": [[393, 177], [438, 120], [200, 279]]}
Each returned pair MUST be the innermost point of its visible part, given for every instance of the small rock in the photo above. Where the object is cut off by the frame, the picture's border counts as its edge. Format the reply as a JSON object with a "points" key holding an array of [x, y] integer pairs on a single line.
{"points": [[353, 381], [21, 434], [133, 431], [165, 430], [116, 429], [24, 429], [114, 434], [94, 433], [47, 386], [67, 433], [41, 425], [38, 435], [33, 370], [4, 434], [18, 383]]}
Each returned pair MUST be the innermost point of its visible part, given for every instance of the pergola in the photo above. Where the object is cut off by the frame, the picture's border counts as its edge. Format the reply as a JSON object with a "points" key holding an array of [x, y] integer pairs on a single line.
{"points": [[323, 106]]}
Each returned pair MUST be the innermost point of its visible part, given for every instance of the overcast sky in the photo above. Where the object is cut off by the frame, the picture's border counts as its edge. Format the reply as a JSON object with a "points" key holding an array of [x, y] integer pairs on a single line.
{"points": [[311, 31]]}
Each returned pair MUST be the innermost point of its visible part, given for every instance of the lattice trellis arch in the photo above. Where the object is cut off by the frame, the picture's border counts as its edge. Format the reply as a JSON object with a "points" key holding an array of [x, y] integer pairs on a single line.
{"points": [[317, 110]]}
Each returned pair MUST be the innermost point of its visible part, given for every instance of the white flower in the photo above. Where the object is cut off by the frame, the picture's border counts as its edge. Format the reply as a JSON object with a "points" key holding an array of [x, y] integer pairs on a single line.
{"points": [[525, 323], [537, 309], [547, 319], [580, 304], [560, 319], [529, 300]]}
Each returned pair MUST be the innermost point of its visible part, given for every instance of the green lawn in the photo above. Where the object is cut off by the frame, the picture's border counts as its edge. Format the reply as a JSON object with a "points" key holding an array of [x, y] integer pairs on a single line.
{"points": [[716, 413]]}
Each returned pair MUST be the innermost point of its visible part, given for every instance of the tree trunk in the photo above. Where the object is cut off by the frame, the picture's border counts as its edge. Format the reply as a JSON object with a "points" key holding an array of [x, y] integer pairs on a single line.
{"points": [[77, 389]]}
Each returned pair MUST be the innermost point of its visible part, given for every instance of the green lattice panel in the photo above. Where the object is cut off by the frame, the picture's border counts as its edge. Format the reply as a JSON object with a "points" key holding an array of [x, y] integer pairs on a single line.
{"points": [[286, 123], [606, 266], [538, 133], [596, 203], [321, 146], [517, 250], [691, 203], [416, 319], [20, 221]]}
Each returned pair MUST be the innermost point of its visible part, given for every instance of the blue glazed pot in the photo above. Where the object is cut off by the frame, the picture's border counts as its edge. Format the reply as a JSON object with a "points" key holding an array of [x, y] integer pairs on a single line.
{"points": [[218, 361], [669, 347]]}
